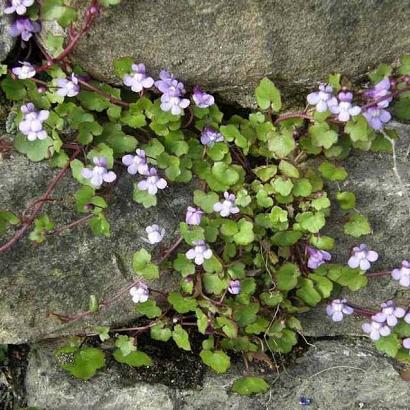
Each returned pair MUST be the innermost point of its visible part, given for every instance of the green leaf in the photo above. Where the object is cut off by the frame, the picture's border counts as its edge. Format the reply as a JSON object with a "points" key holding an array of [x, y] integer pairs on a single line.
{"points": [[404, 67], [141, 264], [224, 173], [35, 150], [388, 344], [322, 135], [245, 314], [182, 304], [283, 343], [93, 304], [180, 337], [134, 359], [282, 186], [347, 200], [402, 329], [184, 266], [281, 144], [357, 226], [332, 172], [302, 187], [122, 66], [108, 3], [218, 361], [7, 217], [99, 225], [161, 333], [334, 81], [229, 327], [267, 95], [103, 332], [213, 284], [93, 101], [249, 385], [191, 233], [265, 172], [310, 221], [42, 225], [245, 234], [322, 242], [205, 201], [143, 197], [271, 299], [358, 128], [308, 293], [354, 279], [14, 89], [125, 344], [382, 71], [287, 169], [202, 321], [286, 238], [148, 309], [287, 276]]}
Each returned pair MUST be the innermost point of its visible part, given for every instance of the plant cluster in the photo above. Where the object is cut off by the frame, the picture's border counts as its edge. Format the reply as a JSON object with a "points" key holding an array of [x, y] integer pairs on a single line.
{"points": [[250, 255]]}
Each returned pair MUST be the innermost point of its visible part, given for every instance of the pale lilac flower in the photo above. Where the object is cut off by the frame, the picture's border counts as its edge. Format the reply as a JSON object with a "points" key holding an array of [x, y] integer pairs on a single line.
{"points": [[345, 109], [32, 123], [68, 86], [140, 293], [25, 71], [377, 117], [155, 234], [193, 216], [376, 329], [199, 252], [317, 257], [165, 81], [99, 173], [209, 136], [173, 103], [172, 98], [24, 27], [390, 313], [136, 163], [18, 6], [138, 79], [322, 99], [227, 206], [152, 183], [361, 257], [381, 89], [402, 274], [201, 98], [234, 287], [407, 318], [337, 308], [406, 343]]}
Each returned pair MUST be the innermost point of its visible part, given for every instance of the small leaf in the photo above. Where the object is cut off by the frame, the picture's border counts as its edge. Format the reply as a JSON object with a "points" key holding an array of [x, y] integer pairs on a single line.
{"points": [[249, 385], [148, 309], [286, 276], [134, 359], [332, 172], [180, 337], [182, 304], [217, 360], [388, 344], [347, 200], [267, 95], [357, 226], [125, 344]]}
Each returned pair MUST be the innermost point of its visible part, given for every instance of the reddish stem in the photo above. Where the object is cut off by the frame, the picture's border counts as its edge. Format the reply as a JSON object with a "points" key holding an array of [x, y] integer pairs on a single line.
{"points": [[109, 97], [170, 250], [385, 97], [72, 224], [375, 274], [291, 115]]}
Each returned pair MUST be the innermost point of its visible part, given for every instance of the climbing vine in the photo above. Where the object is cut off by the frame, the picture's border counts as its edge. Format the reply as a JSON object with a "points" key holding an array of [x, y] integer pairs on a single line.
{"points": [[250, 253]]}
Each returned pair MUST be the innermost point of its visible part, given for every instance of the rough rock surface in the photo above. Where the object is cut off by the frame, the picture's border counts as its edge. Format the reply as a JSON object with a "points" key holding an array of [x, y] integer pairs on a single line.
{"points": [[338, 374], [59, 275], [229, 45], [6, 41]]}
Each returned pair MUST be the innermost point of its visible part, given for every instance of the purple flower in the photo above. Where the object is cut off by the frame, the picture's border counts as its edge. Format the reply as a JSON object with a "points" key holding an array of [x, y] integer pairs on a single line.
{"points": [[322, 99], [377, 117], [361, 257], [152, 183], [345, 109], [140, 293], [201, 98], [406, 343], [227, 206], [155, 234], [32, 123], [209, 136], [24, 27], [376, 329], [234, 287], [193, 216], [68, 87], [402, 274], [337, 308], [99, 173], [199, 252], [136, 163], [25, 71], [173, 103], [18, 6], [138, 79], [317, 257], [407, 318], [165, 81], [381, 89], [390, 313]]}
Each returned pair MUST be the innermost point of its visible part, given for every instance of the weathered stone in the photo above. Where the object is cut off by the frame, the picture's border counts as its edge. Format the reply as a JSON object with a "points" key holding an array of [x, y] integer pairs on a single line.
{"points": [[61, 274], [6, 41], [338, 374], [384, 202], [229, 45]]}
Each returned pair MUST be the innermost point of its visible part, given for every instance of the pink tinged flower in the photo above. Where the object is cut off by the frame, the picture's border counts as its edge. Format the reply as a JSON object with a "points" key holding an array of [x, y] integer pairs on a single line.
{"points": [[317, 257], [155, 234], [138, 79], [99, 174], [140, 293], [376, 329], [25, 71], [226, 207], [377, 117], [344, 109], [406, 343], [193, 216], [322, 99], [32, 123], [136, 163], [337, 308], [152, 183], [201, 98], [402, 274], [390, 313], [24, 27], [18, 6], [209, 136], [234, 287], [68, 87], [199, 252], [380, 90], [165, 81], [361, 257]]}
